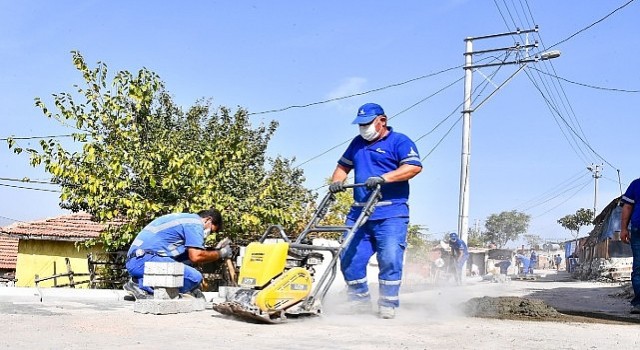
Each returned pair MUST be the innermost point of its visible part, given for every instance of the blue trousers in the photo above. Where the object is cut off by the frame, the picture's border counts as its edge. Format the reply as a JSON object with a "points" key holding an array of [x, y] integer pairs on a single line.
{"points": [[135, 266], [388, 239], [634, 232]]}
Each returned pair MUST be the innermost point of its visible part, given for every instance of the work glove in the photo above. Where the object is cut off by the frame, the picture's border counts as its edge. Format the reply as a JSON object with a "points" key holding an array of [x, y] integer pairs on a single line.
{"points": [[336, 187], [374, 181], [224, 248], [225, 252]]}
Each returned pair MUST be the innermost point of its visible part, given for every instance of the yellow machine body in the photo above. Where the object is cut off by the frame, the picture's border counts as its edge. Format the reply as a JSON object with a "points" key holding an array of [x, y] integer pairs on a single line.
{"points": [[262, 262], [288, 289], [263, 270]]}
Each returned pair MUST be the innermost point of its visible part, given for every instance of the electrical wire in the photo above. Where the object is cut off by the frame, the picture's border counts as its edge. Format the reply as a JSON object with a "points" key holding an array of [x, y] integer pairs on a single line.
{"points": [[590, 25], [356, 94], [586, 85], [391, 117], [27, 181], [30, 188], [551, 192], [566, 200], [35, 137], [571, 129]]}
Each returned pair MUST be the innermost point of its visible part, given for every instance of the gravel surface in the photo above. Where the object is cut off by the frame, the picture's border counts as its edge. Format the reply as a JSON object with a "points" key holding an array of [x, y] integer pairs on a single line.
{"points": [[429, 318]]}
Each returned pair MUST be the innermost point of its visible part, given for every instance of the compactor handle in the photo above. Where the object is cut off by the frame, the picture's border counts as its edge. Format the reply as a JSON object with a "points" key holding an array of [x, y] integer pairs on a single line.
{"points": [[354, 185]]}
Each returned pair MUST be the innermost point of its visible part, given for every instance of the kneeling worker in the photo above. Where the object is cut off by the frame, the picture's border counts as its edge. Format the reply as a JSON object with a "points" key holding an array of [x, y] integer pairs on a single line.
{"points": [[177, 237]]}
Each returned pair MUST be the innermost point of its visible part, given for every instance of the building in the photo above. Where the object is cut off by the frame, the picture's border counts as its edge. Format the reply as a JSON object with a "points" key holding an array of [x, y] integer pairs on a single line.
{"points": [[51, 247]]}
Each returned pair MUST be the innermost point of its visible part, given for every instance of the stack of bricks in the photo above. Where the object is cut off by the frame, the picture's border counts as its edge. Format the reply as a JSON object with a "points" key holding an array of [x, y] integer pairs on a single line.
{"points": [[166, 278]]}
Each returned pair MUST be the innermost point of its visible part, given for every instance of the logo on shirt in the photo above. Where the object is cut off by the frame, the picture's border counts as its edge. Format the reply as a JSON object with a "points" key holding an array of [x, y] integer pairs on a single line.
{"points": [[380, 150], [412, 153]]}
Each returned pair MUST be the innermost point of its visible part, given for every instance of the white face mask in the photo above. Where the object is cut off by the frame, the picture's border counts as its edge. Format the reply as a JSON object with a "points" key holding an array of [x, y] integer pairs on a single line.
{"points": [[368, 132], [206, 232]]}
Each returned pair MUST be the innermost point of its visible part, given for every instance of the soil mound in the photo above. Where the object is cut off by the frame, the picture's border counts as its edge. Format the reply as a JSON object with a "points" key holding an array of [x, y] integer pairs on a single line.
{"points": [[510, 308]]}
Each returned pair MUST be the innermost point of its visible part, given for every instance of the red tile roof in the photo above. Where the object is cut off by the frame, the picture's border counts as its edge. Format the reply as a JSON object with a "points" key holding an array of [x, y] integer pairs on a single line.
{"points": [[74, 227], [8, 252]]}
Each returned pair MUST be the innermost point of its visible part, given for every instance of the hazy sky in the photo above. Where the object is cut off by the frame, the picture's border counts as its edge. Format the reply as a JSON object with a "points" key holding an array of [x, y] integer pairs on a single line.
{"points": [[531, 142]]}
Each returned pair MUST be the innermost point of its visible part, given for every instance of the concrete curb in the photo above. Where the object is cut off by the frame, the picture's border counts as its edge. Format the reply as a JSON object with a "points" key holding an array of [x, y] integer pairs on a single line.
{"points": [[55, 294], [24, 294]]}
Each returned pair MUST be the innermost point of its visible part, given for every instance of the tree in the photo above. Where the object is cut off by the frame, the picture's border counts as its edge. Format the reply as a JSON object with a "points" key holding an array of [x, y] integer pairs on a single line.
{"points": [[573, 222], [141, 156], [475, 238], [506, 226], [532, 240]]}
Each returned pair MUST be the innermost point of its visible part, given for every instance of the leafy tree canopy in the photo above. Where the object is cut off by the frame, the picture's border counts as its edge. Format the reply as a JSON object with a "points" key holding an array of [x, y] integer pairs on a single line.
{"points": [[506, 226], [573, 222], [140, 156]]}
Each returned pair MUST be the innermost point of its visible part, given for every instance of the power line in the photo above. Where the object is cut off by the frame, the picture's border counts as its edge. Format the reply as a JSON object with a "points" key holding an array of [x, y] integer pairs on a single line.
{"points": [[590, 25], [543, 197], [28, 181], [586, 85], [31, 188], [12, 219], [35, 137], [357, 94], [566, 200], [393, 116], [569, 126]]}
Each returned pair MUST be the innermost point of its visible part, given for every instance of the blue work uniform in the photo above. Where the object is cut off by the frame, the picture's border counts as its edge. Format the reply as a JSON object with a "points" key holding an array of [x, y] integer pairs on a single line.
{"points": [[631, 197], [504, 266], [385, 233], [533, 261], [525, 263], [460, 254], [166, 239]]}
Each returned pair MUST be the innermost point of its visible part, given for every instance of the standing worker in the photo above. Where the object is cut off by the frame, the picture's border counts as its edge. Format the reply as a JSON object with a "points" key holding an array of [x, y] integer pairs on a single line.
{"points": [[533, 261], [174, 238], [630, 233], [379, 156], [524, 262], [460, 254]]}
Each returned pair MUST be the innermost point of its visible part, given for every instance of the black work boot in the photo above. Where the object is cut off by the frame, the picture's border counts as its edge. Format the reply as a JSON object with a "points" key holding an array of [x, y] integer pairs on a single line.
{"points": [[136, 291]]}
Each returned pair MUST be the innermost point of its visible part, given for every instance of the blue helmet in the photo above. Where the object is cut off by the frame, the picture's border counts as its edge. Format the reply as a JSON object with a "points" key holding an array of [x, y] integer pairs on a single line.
{"points": [[453, 237]]}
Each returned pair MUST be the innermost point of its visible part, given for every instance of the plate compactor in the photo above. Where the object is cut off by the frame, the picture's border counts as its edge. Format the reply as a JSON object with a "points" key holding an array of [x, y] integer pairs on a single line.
{"points": [[276, 279]]}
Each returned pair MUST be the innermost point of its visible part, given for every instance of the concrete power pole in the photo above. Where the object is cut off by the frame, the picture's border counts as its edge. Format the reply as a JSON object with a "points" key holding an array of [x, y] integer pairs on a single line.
{"points": [[463, 209], [595, 169]]}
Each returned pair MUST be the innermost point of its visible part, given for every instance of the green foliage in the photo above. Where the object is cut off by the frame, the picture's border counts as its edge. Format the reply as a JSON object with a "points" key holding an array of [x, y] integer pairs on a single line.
{"points": [[573, 222], [476, 238], [141, 156], [506, 226]]}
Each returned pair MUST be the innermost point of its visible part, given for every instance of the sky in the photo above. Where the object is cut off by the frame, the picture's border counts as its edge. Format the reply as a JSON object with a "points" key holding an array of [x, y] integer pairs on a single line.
{"points": [[531, 141]]}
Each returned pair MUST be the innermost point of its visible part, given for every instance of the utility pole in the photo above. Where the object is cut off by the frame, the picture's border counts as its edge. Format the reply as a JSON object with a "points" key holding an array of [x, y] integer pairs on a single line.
{"points": [[463, 209], [595, 169]]}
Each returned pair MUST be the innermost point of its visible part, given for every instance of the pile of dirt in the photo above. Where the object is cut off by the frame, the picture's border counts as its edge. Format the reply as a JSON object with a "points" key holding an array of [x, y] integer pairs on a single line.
{"points": [[510, 308]]}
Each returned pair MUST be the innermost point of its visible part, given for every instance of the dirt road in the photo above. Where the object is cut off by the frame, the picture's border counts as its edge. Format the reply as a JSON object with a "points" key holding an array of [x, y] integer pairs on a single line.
{"points": [[429, 318]]}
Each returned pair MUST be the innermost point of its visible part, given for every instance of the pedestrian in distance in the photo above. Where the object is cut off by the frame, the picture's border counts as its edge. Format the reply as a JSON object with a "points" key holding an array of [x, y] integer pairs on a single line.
{"points": [[178, 237], [557, 260], [379, 156], [630, 234], [459, 253], [533, 261]]}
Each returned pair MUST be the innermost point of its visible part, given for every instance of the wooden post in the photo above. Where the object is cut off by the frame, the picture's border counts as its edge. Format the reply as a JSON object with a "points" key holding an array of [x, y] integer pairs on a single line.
{"points": [[70, 272], [55, 272]]}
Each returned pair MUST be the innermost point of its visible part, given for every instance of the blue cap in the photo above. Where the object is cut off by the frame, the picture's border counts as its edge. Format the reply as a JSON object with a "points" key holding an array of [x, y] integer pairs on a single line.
{"points": [[367, 113], [453, 237]]}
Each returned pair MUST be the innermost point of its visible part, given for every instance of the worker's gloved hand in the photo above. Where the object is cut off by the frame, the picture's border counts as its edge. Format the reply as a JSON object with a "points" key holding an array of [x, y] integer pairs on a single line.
{"points": [[374, 181], [336, 187], [225, 252]]}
